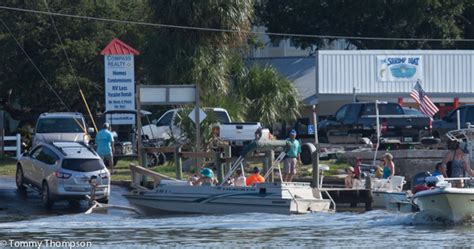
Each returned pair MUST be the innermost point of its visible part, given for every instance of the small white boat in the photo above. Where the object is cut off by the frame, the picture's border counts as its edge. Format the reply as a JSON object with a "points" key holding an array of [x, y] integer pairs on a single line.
{"points": [[446, 203], [280, 198], [174, 196], [387, 194]]}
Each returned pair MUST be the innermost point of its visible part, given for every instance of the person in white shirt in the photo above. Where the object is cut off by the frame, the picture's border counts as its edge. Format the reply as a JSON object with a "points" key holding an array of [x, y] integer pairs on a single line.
{"points": [[239, 179]]}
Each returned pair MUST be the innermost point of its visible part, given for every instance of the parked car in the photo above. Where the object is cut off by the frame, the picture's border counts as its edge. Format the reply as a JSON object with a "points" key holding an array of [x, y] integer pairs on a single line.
{"points": [[414, 112], [450, 121], [61, 126], [355, 121], [63, 171]]}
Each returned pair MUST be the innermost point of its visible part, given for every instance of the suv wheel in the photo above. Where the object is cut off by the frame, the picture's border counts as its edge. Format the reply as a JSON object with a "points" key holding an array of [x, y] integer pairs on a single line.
{"points": [[46, 196], [19, 179]]}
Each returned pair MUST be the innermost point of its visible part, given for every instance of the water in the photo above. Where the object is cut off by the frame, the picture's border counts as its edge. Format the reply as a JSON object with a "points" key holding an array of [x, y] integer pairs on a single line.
{"points": [[370, 229]]}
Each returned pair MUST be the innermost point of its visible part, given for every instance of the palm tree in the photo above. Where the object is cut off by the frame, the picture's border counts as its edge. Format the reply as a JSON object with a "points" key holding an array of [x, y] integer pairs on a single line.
{"points": [[268, 96]]}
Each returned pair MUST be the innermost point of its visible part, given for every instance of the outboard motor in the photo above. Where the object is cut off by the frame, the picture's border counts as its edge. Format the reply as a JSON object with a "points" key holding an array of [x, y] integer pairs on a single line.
{"points": [[419, 178]]}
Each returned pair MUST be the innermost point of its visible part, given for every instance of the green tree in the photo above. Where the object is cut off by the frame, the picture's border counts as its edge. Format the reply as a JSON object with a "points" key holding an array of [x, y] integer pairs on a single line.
{"points": [[183, 56], [83, 40], [385, 18]]}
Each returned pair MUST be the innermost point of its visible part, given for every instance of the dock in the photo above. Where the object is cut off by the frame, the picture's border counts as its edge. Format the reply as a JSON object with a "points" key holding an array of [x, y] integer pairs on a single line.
{"points": [[350, 198]]}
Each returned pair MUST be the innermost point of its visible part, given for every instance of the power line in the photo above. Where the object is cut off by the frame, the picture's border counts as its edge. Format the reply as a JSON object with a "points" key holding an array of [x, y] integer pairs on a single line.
{"points": [[236, 31], [34, 65], [71, 67]]}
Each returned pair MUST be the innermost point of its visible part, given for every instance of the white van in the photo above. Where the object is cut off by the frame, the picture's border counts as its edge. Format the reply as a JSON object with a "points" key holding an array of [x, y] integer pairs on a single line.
{"points": [[61, 127]]}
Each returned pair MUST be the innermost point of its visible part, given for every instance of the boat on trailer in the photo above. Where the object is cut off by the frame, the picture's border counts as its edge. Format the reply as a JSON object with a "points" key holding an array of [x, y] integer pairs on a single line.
{"points": [[175, 196]]}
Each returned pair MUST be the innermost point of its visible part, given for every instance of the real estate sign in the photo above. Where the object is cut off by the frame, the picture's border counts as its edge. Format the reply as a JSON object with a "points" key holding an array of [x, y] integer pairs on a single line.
{"points": [[120, 87]]}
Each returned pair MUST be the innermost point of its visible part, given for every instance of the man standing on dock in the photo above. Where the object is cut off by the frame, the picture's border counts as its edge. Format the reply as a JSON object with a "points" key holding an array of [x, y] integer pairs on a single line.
{"points": [[291, 158]]}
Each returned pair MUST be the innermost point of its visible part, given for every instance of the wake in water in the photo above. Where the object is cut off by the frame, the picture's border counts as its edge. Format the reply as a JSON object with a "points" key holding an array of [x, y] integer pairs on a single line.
{"points": [[376, 229]]}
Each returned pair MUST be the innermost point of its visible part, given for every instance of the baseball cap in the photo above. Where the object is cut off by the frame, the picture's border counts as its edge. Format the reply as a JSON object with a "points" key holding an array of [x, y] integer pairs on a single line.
{"points": [[292, 132]]}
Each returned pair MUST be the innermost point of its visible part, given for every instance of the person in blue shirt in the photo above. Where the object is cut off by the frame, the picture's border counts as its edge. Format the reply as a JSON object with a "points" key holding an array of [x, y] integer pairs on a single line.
{"points": [[439, 170], [105, 146], [291, 158]]}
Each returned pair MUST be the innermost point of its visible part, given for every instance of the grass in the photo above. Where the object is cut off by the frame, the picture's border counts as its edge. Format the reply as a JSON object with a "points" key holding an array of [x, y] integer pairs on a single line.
{"points": [[335, 167], [7, 166], [123, 172]]}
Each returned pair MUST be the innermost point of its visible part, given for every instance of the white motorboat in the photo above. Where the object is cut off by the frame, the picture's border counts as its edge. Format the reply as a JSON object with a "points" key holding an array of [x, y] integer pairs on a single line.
{"points": [[445, 202], [173, 196], [281, 198]]}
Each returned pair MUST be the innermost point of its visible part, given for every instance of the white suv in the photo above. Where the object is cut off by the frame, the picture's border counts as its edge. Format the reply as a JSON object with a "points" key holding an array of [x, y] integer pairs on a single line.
{"points": [[61, 126], [63, 171]]}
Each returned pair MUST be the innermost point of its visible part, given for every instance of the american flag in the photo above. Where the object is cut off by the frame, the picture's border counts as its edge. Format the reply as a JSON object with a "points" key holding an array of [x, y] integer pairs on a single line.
{"points": [[426, 105]]}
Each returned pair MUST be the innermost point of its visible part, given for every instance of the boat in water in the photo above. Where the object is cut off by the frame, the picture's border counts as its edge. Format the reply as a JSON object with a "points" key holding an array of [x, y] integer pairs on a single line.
{"points": [[445, 202], [175, 196]]}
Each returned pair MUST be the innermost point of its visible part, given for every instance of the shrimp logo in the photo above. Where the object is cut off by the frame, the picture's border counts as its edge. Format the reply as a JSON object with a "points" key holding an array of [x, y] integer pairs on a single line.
{"points": [[399, 68]]}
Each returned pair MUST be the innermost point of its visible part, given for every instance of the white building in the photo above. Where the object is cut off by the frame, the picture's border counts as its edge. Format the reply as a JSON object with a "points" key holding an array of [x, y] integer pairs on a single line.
{"points": [[331, 78]]}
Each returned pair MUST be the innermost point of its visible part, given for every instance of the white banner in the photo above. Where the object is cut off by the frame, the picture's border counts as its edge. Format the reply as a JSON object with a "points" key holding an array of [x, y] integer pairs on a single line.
{"points": [[399, 68], [119, 87]]}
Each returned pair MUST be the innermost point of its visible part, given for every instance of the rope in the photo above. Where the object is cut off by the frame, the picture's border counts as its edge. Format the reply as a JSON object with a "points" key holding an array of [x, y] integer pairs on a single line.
{"points": [[70, 66]]}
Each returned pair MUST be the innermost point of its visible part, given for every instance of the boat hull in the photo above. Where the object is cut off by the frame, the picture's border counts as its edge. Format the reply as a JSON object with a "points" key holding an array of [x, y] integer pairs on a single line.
{"points": [[394, 201], [449, 204], [226, 200]]}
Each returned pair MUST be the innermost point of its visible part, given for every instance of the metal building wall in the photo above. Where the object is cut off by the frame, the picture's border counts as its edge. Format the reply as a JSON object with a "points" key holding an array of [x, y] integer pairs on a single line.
{"points": [[444, 71]]}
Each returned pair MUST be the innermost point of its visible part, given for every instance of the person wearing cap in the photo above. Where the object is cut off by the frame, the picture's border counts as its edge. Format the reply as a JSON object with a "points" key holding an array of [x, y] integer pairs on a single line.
{"points": [[206, 179], [255, 177], [105, 146], [348, 179], [291, 158]]}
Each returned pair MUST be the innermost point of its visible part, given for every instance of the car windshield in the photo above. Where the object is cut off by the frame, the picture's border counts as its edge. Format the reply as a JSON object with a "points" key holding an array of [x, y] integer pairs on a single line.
{"points": [[59, 125], [83, 165], [384, 109], [414, 112]]}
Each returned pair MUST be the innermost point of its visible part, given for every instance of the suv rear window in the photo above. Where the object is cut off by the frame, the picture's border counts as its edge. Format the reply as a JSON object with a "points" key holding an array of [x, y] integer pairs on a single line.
{"points": [[83, 165], [63, 125]]}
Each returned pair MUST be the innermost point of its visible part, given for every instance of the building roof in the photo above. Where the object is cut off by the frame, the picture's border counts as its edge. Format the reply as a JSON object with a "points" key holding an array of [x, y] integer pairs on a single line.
{"points": [[301, 71], [118, 47]]}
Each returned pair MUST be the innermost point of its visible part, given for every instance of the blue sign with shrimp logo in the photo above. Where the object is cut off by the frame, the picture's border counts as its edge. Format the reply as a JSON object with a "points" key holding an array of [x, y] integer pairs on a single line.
{"points": [[399, 68]]}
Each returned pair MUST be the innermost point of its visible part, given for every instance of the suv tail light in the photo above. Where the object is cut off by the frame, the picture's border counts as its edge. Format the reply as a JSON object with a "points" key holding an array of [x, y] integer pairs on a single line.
{"points": [[104, 175], [62, 175], [431, 124]]}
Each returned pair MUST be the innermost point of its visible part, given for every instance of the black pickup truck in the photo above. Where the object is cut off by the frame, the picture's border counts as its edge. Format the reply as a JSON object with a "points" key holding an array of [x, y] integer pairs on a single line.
{"points": [[450, 121], [355, 121]]}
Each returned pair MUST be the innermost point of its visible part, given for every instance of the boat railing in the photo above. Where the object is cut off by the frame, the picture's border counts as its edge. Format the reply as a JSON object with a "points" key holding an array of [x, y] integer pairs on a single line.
{"points": [[293, 198], [138, 174], [276, 164], [330, 198]]}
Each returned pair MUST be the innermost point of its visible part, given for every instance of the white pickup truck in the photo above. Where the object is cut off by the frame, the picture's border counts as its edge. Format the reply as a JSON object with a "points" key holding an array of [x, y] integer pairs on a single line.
{"points": [[237, 134]]}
